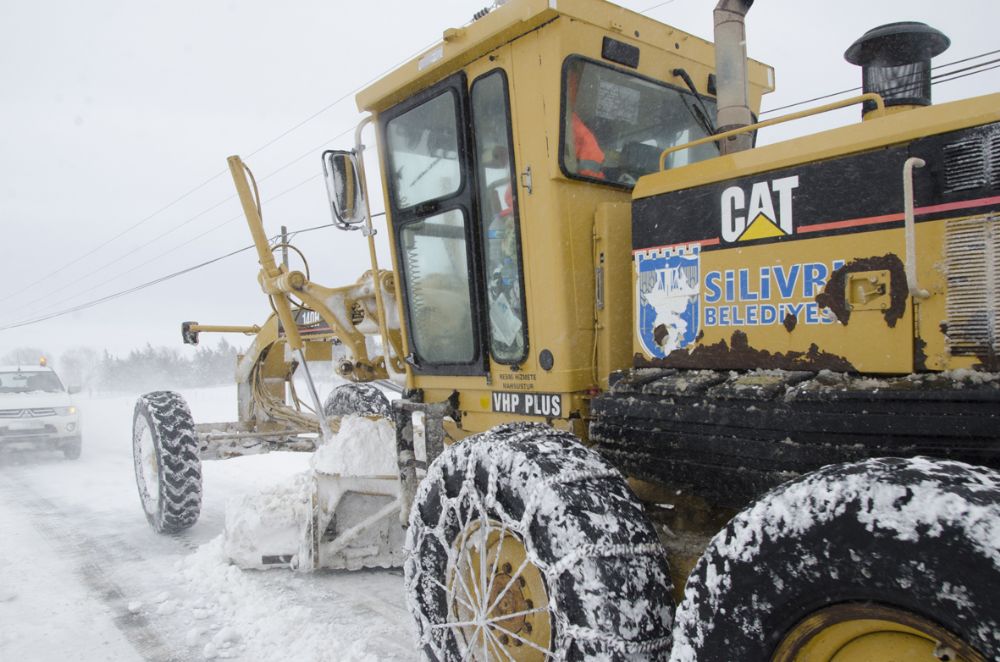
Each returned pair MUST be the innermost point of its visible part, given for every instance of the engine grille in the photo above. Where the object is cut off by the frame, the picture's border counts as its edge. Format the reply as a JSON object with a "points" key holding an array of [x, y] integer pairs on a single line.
{"points": [[972, 253], [973, 162], [37, 412]]}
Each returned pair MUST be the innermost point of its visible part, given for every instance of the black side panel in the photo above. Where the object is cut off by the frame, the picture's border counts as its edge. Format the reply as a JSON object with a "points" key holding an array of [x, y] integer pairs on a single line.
{"points": [[847, 194], [731, 437]]}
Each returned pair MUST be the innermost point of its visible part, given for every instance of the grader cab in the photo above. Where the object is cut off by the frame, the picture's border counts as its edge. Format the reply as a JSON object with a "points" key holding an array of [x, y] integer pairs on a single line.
{"points": [[640, 359]]}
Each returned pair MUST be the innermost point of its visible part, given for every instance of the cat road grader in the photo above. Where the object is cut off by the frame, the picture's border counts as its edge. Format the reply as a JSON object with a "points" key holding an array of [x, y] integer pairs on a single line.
{"points": [[642, 360]]}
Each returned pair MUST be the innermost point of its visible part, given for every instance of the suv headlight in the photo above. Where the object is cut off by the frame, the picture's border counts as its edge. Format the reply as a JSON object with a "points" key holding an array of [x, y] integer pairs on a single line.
{"points": [[65, 411]]}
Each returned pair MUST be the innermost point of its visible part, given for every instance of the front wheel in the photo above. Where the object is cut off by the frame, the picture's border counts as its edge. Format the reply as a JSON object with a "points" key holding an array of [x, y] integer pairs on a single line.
{"points": [[525, 545], [878, 560], [73, 449], [167, 465]]}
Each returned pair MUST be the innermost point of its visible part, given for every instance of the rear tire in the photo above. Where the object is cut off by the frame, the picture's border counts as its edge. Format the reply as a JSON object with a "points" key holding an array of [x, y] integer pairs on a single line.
{"points": [[572, 568], [869, 552], [358, 399], [167, 465]]}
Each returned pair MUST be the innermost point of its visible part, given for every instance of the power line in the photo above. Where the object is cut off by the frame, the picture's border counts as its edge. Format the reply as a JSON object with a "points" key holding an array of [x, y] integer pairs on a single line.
{"points": [[649, 9], [212, 178], [858, 88], [173, 229], [175, 248], [143, 286], [114, 238], [971, 73]]}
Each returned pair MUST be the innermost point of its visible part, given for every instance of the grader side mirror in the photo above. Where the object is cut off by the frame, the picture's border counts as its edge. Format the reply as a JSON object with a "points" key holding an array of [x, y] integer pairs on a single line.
{"points": [[343, 187]]}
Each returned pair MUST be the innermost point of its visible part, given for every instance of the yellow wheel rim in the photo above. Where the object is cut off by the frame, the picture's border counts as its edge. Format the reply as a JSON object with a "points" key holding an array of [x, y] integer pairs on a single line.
{"points": [[497, 600], [871, 633]]}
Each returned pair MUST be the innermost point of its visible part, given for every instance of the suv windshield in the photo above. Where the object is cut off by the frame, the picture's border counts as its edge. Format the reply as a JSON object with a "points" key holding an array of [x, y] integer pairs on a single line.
{"points": [[616, 125], [27, 382]]}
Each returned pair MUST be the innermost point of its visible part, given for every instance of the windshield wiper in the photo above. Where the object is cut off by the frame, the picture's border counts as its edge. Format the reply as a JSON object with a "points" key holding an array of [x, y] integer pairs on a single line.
{"points": [[699, 112]]}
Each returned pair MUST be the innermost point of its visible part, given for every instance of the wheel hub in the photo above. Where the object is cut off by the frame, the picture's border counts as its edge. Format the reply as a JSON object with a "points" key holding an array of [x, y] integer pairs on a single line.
{"points": [[492, 594], [511, 603], [857, 632]]}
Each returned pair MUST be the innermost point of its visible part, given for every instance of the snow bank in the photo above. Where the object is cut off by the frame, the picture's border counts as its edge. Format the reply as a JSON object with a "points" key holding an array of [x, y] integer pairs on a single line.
{"points": [[233, 613]]}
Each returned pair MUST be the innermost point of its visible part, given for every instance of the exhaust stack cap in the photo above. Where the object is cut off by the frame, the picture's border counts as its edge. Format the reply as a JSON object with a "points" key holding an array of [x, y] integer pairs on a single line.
{"points": [[895, 61]]}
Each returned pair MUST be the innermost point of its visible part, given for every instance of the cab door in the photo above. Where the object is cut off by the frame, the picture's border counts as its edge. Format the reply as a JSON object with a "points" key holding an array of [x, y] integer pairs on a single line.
{"points": [[432, 196]]}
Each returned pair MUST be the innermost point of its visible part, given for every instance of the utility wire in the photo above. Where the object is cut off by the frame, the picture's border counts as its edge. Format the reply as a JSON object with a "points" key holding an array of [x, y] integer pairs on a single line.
{"points": [[858, 88], [971, 73], [175, 248], [211, 179], [162, 279], [155, 281], [114, 238], [649, 9], [173, 229]]}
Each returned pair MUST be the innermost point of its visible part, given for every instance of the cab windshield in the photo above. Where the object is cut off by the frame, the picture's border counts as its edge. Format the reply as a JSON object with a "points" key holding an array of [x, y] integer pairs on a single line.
{"points": [[29, 381], [615, 125]]}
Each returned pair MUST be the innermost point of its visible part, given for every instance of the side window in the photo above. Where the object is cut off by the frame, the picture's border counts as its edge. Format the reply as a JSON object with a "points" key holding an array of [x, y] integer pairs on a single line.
{"points": [[432, 198], [501, 233], [437, 277], [616, 124]]}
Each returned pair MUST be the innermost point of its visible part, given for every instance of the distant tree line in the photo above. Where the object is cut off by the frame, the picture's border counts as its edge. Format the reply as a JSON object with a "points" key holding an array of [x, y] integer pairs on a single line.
{"points": [[143, 369]]}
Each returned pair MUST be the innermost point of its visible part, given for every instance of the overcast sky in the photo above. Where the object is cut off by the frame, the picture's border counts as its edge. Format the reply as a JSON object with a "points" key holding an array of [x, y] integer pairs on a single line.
{"points": [[117, 118]]}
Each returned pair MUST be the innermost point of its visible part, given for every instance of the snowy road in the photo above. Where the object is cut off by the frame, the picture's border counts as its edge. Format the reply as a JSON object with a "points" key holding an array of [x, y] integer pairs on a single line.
{"points": [[84, 577]]}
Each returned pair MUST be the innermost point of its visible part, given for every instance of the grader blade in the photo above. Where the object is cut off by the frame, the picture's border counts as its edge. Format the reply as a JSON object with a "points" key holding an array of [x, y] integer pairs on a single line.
{"points": [[342, 514]]}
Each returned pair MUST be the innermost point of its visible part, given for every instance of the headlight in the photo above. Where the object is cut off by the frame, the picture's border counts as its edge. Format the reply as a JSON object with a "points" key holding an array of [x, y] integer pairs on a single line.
{"points": [[65, 411]]}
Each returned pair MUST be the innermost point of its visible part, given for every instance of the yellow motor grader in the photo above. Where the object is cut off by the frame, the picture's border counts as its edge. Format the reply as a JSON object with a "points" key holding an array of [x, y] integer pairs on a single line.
{"points": [[642, 360]]}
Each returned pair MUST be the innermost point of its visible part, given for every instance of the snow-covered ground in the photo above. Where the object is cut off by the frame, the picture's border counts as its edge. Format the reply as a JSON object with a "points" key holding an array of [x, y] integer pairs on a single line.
{"points": [[84, 577]]}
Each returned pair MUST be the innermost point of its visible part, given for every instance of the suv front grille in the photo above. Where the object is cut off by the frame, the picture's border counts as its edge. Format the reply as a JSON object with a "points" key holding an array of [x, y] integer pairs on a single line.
{"points": [[37, 412]]}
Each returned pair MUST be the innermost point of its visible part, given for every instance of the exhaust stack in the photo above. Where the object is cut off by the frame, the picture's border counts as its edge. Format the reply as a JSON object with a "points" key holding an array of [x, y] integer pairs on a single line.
{"points": [[733, 100]]}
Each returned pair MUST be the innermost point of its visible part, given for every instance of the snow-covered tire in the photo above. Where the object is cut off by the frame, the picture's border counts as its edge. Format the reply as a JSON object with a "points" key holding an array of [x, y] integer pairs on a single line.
{"points": [[592, 581], [354, 398], [167, 465], [73, 449], [894, 543]]}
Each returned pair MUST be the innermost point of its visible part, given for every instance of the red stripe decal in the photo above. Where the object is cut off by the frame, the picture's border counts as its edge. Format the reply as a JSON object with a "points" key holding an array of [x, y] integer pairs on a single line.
{"points": [[889, 218]]}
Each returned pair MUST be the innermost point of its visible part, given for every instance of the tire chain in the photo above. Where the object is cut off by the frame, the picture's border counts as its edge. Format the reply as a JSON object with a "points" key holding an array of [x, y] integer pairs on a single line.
{"points": [[580, 473]]}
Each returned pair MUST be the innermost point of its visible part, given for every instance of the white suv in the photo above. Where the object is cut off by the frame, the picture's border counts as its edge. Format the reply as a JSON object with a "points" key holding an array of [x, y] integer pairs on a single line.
{"points": [[36, 411]]}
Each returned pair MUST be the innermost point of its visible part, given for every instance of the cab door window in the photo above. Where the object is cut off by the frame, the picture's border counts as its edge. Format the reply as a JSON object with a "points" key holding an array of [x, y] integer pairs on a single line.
{"points": [[439, 294], [433, 210], [423, 143], [499, 218]]}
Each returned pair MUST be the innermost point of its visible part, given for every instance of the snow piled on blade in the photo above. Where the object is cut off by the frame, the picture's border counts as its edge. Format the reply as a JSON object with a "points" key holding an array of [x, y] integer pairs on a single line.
{"points": [[270, 523], [270, 529], [363, 447]]}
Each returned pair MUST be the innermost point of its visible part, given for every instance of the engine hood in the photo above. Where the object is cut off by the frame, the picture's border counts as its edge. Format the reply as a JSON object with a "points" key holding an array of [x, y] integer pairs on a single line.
{"points": [[35, 399]]}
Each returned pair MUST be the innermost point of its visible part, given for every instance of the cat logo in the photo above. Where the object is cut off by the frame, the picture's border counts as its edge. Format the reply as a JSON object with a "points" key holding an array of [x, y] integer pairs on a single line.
{"points": [[759, 220]]}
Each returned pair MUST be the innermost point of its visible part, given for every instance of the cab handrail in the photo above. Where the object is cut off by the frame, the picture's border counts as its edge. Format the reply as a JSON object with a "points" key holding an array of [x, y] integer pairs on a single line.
{"points": [[870, 96]]}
